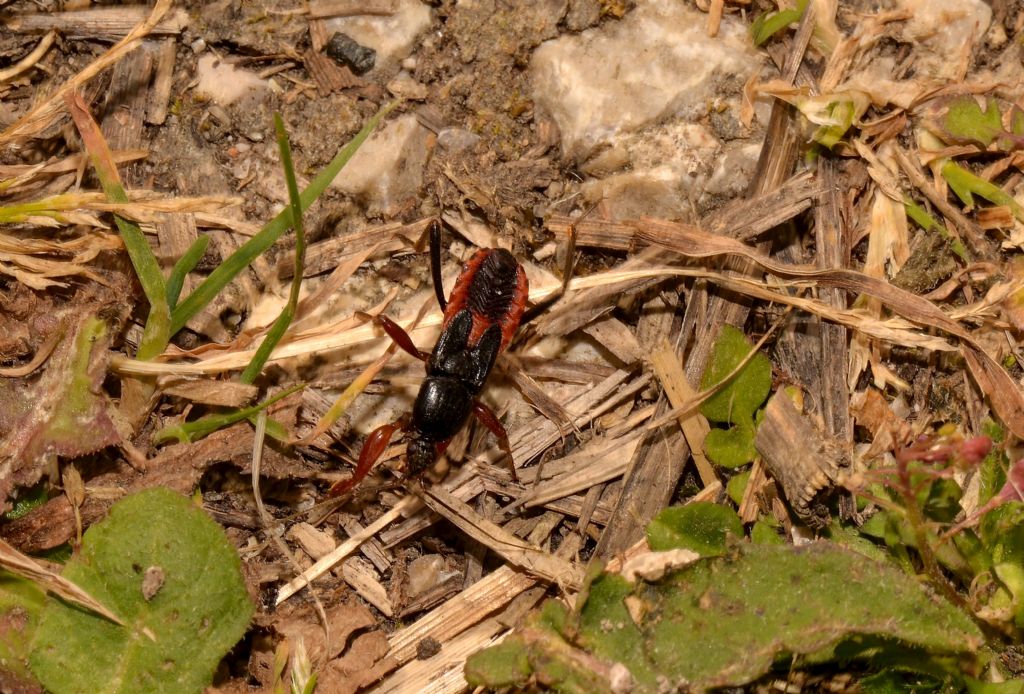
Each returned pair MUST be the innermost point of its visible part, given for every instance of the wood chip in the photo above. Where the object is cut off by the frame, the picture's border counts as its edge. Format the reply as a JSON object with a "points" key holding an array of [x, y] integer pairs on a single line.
{"points": [[108, 23], [208, 392], [160, 94], [805, 462]]}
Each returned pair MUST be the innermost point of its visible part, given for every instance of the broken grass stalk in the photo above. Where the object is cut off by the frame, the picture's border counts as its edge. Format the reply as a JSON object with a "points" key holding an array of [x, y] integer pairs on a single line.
{"points": [[156, 331], [924, 220], [966, 185], [186, 263]]}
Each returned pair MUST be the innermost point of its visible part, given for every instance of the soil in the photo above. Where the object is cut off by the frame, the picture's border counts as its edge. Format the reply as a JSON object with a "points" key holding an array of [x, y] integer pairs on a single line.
{"points": [[472, 65]]}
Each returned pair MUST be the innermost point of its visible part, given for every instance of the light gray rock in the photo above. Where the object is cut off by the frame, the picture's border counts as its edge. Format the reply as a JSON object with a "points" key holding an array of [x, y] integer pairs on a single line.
{"points": [[655, 64], [388, 168], [642, 106]]}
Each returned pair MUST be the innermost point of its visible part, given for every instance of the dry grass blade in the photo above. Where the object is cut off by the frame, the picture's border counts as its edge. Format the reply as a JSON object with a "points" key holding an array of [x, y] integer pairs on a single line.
{"points": [[17, 563], [344, 549], [46, 111], [29, 60], [1004, 394], [514, 550], [695, 427]]}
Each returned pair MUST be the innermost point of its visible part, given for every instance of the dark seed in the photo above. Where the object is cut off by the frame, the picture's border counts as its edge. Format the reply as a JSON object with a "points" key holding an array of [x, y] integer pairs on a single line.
{"points": [[346, 51]]}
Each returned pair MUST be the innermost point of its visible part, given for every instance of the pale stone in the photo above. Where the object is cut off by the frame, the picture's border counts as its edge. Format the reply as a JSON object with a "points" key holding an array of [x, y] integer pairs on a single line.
{"points": [[424, 573], [388, 168], [393, 36], [621, 77], [223, 82], [939, 30]]}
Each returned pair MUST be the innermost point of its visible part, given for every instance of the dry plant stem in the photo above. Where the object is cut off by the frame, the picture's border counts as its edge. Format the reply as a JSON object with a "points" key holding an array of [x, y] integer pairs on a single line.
{"points": [[17, 563], [266, 520], [47, 110], [345, 548], [650, 482], [975, 237], [29, 60]]}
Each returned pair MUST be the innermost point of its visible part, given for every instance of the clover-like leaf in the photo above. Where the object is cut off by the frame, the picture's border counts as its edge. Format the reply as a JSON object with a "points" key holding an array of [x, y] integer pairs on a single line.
{"points": [[731, 447], [169, 572], [21, 602], [746, 391]]}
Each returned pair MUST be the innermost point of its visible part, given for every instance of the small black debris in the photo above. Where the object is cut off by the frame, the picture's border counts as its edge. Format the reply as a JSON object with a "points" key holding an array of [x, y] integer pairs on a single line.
{"points": [[346, 51]]}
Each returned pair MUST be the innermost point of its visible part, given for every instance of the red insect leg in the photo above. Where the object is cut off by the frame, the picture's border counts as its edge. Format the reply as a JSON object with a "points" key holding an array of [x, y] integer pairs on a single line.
{"points": [[374, 446], [490, 420], [396, 333]]}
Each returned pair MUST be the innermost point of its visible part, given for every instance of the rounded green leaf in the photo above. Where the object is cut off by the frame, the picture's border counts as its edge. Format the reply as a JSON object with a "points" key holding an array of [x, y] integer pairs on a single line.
{"points": [[702, 527], [166, 569], [746, 391], [731, 447]]}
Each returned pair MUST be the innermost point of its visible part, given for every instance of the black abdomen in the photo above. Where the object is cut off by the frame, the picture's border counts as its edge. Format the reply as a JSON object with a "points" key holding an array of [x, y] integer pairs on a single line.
{"points": [[442, 407]]}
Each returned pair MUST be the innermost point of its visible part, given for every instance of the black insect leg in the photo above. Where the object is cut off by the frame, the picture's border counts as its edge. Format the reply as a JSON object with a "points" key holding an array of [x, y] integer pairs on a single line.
{"points": [[435, 263], [490, 420]]}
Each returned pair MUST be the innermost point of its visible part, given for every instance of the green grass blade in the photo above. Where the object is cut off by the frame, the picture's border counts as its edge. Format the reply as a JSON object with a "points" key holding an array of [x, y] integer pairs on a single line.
{"points": [[186, 263], [280, 325], [193, 431], [266, 237], [924, 220], [965, 185]]}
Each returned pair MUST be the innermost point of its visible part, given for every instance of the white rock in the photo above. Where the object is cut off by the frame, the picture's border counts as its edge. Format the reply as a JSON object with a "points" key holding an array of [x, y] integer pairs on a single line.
{"points": [[388, 168], [224, 83], [424, 573], [941, 28], [393, 37], [656, 63]]}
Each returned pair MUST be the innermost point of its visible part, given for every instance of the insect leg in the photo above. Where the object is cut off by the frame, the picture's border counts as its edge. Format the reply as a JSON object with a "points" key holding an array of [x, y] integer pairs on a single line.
{"points": [[570, 262], [396, 333], [435, 262], [374, 446], [490, 420]]}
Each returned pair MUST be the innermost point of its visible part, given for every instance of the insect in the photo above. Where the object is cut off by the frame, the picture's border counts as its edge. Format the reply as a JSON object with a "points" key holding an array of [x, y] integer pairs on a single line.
{"points": [[483, 313]]}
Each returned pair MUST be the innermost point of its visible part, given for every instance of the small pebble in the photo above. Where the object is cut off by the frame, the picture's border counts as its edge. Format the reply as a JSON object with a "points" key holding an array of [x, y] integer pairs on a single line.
{"points": [[345, 51]]}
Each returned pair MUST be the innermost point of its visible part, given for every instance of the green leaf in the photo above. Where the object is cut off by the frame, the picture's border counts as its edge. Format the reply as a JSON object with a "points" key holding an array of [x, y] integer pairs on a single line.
{"points": [[737, 486], [967, 122], [746, 391], [504, 665], [974, 686], [725, 621], [703, 527], [21, 603], [170, 573], [277, 330], [764, 533], [769, 24], [966, 185], [186, 263], [204, 426], [731, 447]]}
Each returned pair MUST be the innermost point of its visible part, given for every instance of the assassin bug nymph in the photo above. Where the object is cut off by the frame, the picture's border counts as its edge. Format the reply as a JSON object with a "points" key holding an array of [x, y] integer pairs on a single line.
{"points": [[486, 307]]}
